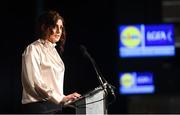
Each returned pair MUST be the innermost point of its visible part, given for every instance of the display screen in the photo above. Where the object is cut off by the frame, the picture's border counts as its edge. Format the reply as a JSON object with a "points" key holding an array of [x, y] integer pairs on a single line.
{"points": [[146, 40], [136, 83]]}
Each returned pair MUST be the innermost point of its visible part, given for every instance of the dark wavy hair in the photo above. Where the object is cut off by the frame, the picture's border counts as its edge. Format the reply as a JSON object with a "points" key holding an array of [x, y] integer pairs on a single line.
{"points": [[47, 21]]}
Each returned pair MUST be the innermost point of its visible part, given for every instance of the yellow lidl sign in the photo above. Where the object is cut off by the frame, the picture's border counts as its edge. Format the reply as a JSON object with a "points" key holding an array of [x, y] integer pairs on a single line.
{"points": [[131, 36], [127, 80]]}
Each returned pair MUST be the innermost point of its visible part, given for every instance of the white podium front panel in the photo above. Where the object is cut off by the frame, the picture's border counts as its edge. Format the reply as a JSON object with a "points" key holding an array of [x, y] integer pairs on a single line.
{"points": [[96, 104], [92, 104]]}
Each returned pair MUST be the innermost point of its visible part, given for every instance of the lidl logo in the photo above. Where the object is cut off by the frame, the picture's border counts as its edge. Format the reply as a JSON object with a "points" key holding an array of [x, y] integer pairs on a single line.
{"points": [[136, 82], [127, 80], [130, 36]]}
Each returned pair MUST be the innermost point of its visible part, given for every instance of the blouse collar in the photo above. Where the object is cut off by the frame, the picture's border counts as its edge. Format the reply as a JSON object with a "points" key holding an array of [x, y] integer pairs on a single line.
{"points": [[48, 43]]}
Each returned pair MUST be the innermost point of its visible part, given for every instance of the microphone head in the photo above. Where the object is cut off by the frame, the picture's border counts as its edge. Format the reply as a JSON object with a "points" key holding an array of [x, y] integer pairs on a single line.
{"points": [[83, 50]]}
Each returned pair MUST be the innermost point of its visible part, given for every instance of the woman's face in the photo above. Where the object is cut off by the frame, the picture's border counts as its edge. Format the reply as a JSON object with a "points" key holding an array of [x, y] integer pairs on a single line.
{"points": [[57, 32]]}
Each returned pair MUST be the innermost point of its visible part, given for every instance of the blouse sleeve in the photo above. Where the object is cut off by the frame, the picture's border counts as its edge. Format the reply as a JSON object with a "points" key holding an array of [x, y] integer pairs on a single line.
{"points": [[33, 78]]}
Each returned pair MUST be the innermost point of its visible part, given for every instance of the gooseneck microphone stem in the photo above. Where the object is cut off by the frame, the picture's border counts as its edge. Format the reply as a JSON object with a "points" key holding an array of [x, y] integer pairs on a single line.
{"points": [[83, 49], [105, 85]]}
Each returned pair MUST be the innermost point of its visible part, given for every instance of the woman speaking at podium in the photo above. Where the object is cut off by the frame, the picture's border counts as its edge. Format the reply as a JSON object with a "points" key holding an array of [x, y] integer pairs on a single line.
{"points": [[43, 69]]}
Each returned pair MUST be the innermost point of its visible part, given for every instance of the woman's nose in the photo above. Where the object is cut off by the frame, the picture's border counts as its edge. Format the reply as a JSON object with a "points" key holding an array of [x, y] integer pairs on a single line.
{"points": [[57, 30]]}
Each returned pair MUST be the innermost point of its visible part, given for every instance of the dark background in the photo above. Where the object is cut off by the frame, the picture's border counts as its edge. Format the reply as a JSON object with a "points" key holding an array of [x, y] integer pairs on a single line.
{"points": [[92, 23]]}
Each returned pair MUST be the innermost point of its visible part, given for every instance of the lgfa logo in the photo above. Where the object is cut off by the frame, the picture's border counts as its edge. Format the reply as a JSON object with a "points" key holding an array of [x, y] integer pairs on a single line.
{"points": [[130, 36]]}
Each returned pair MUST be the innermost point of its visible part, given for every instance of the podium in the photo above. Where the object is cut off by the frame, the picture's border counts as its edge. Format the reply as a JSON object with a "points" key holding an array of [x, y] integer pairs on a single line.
{"points": [[94, 102]]}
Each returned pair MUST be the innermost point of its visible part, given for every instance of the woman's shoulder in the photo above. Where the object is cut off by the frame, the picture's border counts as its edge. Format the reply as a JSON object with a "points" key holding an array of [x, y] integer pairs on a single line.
{"points": [[32, 47], [35, 44]]}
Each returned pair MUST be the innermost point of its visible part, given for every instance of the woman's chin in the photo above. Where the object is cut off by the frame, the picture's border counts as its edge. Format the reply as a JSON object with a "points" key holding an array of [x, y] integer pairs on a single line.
{"points": [[56, 40]]}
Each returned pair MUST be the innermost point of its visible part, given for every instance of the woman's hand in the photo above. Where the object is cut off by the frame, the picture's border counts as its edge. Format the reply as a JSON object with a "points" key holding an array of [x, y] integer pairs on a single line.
{"points": [[71, 97]]}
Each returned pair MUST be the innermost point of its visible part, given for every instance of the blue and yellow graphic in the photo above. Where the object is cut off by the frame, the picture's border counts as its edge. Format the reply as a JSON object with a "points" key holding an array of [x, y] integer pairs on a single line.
{"points": [[146, 40], [136, 83], [127, 80], [130, 36]]}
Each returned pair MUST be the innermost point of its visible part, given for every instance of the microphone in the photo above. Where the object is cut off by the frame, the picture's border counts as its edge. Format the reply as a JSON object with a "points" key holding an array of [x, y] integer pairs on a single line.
{"points": [[84, 51], [109, 86], [105, 85], [86, 54]]}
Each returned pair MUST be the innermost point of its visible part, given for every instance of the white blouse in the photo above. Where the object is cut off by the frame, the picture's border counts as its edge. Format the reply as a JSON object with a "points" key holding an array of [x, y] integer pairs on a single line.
{"points": [[43, 67]]}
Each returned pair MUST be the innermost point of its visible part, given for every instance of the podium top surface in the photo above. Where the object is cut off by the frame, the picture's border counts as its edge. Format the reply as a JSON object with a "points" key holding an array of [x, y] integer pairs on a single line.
{"points": [[90, 93]]}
